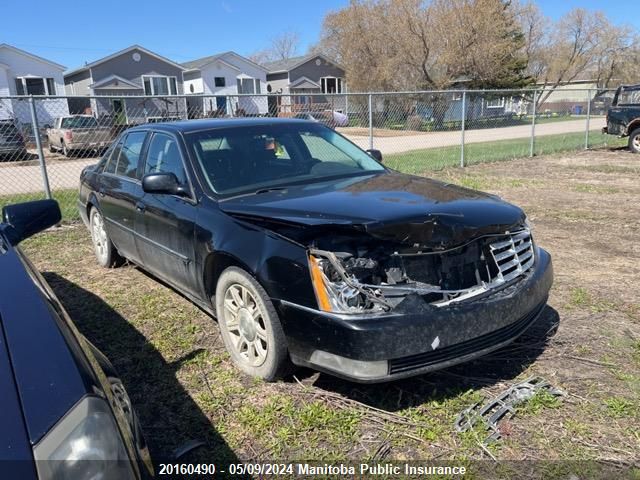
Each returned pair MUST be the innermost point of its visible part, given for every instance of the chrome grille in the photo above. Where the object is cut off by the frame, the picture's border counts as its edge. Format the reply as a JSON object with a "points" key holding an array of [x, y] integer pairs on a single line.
{"points": [[513, 256]]}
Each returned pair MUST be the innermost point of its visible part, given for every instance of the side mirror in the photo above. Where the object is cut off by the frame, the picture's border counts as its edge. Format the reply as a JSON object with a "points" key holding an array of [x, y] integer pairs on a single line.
{"points": [[26, 219], [162, 183], [377, 154]]}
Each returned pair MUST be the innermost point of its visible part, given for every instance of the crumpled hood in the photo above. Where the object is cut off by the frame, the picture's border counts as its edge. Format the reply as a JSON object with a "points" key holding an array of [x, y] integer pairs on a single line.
{"points": [[391, 206]]}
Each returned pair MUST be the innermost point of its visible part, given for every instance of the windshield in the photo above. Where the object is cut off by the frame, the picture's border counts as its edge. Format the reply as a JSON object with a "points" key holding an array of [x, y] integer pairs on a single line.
{"points": [[79, 122], [249, 158]]}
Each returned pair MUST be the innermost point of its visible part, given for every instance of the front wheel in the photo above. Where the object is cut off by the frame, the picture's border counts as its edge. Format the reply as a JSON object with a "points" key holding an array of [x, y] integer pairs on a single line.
{"points": [[104, 249], [250, 327], [634, 141]]}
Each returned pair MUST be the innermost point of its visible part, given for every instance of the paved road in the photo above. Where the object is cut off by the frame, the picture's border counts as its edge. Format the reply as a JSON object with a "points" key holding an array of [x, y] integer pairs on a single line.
{"points": [[420, 141], [27, 178], [64, 173]]}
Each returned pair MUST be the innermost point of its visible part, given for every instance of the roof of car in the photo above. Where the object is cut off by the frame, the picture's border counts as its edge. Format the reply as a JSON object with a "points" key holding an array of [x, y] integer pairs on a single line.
{"points": [[186, 126]]}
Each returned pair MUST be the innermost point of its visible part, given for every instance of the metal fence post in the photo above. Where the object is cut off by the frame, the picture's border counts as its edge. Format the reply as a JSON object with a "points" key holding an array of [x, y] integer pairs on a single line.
{"points": [[586, 133], [36, 134], [370, 123], [464, 117], [533, 124]]}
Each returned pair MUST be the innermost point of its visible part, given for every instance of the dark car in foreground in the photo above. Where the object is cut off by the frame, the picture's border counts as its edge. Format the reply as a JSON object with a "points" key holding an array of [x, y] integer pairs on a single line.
{"points": [[65, 413], [309, 250], [623, 117], [12, 146]]}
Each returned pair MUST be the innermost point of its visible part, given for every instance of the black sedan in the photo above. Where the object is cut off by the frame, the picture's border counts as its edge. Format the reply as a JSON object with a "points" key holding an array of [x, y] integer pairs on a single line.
{"points": [[307, 249], [64, 412]]}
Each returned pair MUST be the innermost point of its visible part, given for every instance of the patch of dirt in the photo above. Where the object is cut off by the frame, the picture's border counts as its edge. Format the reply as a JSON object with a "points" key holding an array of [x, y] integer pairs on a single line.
{"points": [[587, 343]]}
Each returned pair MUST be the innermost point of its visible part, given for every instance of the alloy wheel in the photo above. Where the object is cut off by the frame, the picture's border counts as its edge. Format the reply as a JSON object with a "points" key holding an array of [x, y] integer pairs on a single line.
{"points": [[99, 236], [246, 325]]}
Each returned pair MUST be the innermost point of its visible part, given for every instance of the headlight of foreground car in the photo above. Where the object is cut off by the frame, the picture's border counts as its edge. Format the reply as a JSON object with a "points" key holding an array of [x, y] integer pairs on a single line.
{"points": [[84, 444], [345, 295]]}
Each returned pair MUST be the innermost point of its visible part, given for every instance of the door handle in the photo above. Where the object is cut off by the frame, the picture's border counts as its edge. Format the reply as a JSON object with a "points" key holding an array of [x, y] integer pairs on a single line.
{"points": [[141, 207]]}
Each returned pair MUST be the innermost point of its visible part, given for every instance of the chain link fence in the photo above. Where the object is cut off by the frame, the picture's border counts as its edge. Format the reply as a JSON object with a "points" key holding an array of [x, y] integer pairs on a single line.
{"points": [[45, 142]]}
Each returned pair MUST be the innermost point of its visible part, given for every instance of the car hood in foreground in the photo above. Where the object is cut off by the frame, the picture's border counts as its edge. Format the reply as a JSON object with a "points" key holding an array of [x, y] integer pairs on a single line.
{"points": [[390, 206]]}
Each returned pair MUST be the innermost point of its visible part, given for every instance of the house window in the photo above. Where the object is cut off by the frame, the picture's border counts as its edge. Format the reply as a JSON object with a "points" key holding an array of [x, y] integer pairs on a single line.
{"points": [[495, 102], [219, 81], [35, 86], [51, 86], [160, 85], [248, 85], [331, 85]]}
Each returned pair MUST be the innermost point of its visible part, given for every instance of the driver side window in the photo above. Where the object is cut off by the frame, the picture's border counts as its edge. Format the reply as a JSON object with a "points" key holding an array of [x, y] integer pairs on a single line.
{"points": [[164, 156]]}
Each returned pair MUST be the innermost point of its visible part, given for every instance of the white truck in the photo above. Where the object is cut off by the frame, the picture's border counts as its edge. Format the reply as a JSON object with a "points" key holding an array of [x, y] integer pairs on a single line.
{"points": [[76, 133]]}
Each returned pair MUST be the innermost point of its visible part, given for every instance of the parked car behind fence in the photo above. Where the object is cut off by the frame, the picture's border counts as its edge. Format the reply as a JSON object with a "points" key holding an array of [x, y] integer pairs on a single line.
{"points": [[623, 117], [77, 133]]}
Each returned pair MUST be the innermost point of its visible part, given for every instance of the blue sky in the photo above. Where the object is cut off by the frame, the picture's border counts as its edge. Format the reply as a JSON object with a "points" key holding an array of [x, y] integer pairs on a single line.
{"points": [[72, 32]]}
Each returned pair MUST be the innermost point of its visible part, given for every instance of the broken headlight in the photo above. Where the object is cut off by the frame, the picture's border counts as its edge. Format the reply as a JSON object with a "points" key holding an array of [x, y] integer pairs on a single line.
{"points": [[339, 291]]}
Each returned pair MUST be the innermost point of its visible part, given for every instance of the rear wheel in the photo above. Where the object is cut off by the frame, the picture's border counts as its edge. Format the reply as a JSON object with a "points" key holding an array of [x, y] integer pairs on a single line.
{"points": [[634, 141], [250, 326], [104, 249]]}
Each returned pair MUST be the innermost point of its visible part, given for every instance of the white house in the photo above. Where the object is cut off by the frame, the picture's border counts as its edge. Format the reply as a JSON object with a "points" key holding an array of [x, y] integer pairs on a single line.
{"points": [[23, 73], [215, 80]]}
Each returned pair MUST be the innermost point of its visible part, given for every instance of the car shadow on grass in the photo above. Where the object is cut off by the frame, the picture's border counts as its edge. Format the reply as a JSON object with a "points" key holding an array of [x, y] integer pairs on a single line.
{"points": [[503, 365], [169, 416]]}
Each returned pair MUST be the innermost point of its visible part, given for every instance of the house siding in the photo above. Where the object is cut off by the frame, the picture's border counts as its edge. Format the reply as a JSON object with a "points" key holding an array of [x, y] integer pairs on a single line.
{"points": [[315, 72], [81, 82], [21, 65], [251, 105], [279, 82], [124, 66]]}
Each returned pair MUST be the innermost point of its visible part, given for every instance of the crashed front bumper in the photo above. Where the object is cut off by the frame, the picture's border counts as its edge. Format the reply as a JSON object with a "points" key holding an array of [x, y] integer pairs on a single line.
{"points": [[415, 337]]}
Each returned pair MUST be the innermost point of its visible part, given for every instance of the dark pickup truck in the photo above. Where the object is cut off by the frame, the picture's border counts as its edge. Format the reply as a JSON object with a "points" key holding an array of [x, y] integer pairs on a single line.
{"points": [[623, 117]]}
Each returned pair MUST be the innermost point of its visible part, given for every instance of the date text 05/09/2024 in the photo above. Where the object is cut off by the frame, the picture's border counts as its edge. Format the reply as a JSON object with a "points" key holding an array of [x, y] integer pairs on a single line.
{"points": [[405, 469]]}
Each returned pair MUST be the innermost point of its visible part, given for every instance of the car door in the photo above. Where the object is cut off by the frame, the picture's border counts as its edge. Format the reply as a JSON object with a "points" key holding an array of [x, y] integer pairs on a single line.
{"points": [[166, 223], [119, 192]]}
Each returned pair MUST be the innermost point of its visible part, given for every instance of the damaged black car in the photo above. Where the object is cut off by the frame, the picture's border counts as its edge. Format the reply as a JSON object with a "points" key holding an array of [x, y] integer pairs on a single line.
{"points": [[309, 251]]}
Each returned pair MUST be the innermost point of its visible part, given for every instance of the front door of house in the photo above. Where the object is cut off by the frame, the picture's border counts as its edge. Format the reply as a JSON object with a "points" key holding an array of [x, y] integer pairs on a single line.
{"points": [[221, 104], [119, 111]]}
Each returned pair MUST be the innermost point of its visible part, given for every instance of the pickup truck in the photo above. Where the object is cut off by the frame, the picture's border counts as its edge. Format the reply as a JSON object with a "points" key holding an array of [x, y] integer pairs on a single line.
{"points": [[623, 117], [77, 133]]}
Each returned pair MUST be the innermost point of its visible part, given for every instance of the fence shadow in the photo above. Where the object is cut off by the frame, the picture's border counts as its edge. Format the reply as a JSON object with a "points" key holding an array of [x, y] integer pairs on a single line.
{"points": [[169, 416], [500, 366]]}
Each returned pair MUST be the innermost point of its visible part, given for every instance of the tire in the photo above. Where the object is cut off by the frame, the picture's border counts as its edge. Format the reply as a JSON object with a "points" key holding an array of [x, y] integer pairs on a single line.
{"points": [[106, 253], [252, 334], [634, 141]]}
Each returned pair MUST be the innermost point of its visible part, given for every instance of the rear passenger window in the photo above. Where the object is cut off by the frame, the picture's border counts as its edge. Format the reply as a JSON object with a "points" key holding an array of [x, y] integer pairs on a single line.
{"points": [[129, 154], [163, 156], [112, 160]]}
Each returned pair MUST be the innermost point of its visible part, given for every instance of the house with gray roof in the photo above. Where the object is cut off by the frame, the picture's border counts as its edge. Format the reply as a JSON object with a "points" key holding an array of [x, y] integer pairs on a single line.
{"points": [[215, 82], [310, 77], [115, 87]]}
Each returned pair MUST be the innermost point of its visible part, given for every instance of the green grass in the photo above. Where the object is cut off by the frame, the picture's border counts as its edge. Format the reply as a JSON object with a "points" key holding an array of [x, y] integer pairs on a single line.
{"points": [[418, 161], [618, 407], [66, 199]]}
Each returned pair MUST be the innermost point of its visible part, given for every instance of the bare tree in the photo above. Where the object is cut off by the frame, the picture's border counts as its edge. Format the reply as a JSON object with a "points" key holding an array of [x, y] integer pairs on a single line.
{"points": [[400, 44], [281, 47], [580, 45]]}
